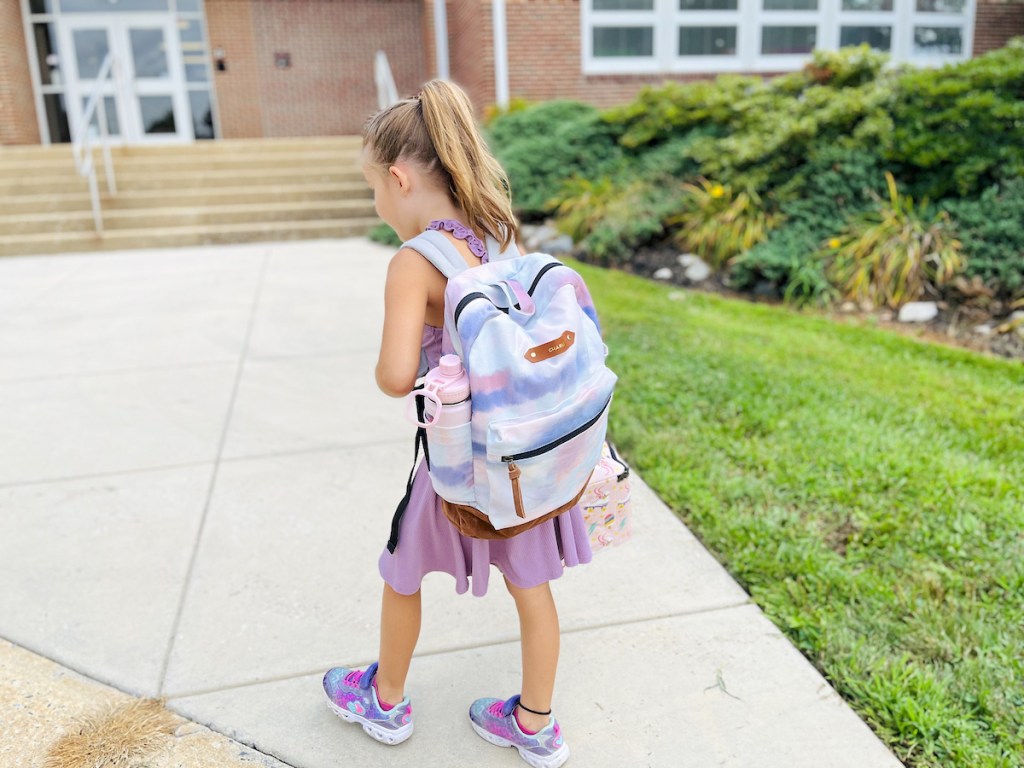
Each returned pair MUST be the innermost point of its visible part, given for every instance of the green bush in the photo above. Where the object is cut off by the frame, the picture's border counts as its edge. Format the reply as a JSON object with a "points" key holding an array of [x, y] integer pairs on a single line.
{"points": [[991, 228], [542, 146], [382, 233], [787, 260], [612, 220], [960, 129]]}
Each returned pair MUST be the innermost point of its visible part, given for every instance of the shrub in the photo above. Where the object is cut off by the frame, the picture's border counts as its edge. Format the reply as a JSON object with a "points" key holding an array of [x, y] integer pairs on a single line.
{"points": [[612, 220], [789, 260], [382, 233], [893, 254], [542, 146], [718, 224], [991, 228], [960, 129]]}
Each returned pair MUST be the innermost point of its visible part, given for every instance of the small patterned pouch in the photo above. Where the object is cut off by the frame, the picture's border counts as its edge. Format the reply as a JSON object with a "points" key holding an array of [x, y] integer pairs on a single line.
{"points": [[606, 505]]}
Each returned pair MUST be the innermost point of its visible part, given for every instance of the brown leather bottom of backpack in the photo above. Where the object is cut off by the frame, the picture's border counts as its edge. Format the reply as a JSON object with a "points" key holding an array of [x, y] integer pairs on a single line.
{"points": [[473, 523]]}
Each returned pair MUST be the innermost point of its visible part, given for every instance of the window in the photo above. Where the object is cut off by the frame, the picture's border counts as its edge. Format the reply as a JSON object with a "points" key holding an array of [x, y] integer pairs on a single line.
{"points": [[879, 38], [707, 41], [938, 41], [777, 41], [623, 41], [713, 36]]}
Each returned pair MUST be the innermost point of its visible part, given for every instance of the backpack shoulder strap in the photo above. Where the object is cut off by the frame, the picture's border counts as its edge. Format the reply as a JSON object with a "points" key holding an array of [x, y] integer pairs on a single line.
{"points": [[439, 251]]}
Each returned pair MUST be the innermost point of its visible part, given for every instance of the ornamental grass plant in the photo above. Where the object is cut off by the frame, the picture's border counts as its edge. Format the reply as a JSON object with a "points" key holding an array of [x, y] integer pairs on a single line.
{"points": [[895, 253]]}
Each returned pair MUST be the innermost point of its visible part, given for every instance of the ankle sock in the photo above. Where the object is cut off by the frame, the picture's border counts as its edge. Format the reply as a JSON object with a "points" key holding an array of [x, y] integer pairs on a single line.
{"points": [[383, 704], [522, 727]]}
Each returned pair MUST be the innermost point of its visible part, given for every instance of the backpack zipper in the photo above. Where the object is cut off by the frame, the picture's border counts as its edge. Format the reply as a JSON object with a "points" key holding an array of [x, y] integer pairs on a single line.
{"points": [[478, 295], [514, 472], [555, 443]]}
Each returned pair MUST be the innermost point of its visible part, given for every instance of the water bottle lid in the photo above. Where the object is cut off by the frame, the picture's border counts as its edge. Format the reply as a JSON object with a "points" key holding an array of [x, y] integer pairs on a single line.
{"points": [[450, 365]]}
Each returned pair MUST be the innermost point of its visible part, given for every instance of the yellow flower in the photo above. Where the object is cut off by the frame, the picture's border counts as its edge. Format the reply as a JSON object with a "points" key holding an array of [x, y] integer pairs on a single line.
{"points": [[835, 242], [717, 190]]}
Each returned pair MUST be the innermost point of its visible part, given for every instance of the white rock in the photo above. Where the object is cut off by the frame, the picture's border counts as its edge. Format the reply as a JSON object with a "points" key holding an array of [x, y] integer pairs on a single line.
{"points": [[696, 270], [556, 245], [538, 235], [848, 306], [918, 312], [983, 330], [665, 273]]}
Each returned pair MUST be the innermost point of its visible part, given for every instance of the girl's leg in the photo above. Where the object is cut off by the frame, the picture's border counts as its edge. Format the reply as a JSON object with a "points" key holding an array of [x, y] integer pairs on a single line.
{"points": [[538, 628], [399, 631]]}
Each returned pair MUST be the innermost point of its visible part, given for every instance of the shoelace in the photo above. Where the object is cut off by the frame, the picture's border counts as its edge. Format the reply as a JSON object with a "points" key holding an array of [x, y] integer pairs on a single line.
{"points": [[353, 677]]}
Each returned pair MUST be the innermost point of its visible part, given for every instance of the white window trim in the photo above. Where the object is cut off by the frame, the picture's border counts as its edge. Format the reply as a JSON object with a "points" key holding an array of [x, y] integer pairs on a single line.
{"points": [[749, 18]]}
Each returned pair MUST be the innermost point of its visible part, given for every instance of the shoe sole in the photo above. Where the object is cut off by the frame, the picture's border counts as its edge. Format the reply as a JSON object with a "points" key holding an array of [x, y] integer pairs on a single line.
{"points": [[374, 731], [554, 760]]}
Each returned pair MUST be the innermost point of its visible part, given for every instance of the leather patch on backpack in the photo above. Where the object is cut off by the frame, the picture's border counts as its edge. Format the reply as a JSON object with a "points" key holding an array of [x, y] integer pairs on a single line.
{"points": [[551, 348]]}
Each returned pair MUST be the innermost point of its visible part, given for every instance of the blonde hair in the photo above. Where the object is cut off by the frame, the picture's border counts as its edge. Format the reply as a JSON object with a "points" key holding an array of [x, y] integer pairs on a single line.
{"points": [[438, 132]]}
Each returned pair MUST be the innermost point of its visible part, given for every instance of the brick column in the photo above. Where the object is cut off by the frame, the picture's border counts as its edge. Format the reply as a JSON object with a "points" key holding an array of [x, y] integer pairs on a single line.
{"points": [[229, 26], [18, 124]]}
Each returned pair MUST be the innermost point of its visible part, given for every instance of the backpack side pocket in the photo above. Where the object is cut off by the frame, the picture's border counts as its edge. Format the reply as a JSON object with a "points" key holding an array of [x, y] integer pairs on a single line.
{"points": [[451, 462]]}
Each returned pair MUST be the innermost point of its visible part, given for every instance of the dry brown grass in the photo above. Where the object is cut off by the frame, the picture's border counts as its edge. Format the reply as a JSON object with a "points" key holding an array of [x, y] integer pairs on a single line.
{"points": [[116, 738]]}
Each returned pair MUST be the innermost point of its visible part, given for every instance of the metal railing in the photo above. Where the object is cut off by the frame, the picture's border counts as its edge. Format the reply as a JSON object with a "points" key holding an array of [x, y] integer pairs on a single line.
{"points": [[82, 145], [387, 93]]}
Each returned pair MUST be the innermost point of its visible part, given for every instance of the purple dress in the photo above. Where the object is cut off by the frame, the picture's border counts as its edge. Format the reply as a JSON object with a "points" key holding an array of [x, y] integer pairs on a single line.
{"points": [[429, 542]]}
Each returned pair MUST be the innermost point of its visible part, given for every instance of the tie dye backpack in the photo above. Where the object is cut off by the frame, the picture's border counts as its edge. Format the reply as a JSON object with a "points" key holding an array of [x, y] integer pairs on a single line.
{"points": [[527, 333]]}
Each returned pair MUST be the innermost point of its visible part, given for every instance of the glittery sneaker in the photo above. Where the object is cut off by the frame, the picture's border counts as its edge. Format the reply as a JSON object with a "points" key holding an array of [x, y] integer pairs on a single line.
{"points": [[493, 720], [353, 697]]}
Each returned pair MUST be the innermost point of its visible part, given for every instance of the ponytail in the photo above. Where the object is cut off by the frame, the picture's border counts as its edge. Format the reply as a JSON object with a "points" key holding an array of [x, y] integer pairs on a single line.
{"points": [[437, 130]]}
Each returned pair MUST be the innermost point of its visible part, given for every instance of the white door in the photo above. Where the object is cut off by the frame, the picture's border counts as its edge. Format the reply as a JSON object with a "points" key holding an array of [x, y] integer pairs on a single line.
{"points": [[146, 100]]}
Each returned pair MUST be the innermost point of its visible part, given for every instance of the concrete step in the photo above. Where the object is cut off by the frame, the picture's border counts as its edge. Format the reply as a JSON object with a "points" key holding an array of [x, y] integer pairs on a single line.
{"points": [[39, 184], [200, 196], [72, 242], [204, 148], [156, 218], [185, 161]]}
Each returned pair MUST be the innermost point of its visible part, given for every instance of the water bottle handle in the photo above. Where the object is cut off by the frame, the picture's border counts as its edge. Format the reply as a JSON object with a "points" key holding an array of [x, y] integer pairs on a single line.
{"points": [[410, 407]]}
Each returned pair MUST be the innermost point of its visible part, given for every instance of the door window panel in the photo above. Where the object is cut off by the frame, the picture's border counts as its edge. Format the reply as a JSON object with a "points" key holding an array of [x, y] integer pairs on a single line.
{"points": [[157, 114], [149, 52], [113, 126], [91, 47], [202, 114]]}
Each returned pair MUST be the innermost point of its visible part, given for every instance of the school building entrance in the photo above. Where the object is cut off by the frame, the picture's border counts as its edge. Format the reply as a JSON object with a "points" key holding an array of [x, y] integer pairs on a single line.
{"points": [[156, 85]]}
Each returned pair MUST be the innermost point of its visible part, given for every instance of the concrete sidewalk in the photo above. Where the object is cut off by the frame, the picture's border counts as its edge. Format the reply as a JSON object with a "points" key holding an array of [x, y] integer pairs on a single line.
{"points": [[197, 474]]}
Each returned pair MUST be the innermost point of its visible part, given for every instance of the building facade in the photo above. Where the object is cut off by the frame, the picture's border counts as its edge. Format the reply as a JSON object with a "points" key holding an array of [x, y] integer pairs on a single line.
{"points": [[188, 70]]}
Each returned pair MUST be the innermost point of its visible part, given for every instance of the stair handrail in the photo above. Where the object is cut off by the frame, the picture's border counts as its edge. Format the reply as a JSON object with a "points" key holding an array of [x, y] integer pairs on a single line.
{"points": [[82, 144], [387, 93]]}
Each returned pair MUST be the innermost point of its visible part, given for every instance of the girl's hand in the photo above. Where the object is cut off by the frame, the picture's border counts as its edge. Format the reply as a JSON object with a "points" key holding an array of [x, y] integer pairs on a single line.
{"points": [[410, 283]]}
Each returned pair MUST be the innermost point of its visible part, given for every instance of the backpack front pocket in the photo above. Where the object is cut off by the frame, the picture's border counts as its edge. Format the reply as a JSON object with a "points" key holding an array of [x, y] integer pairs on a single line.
{"points": [[451, 462], [539, 463]]}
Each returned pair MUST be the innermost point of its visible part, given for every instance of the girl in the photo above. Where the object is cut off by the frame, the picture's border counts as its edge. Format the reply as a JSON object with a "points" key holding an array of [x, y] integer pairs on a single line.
{"points": [[429, 169]]}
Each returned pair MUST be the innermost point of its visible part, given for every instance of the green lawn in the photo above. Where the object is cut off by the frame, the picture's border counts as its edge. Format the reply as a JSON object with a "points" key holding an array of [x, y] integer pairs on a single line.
{"points": [[866, 488]]}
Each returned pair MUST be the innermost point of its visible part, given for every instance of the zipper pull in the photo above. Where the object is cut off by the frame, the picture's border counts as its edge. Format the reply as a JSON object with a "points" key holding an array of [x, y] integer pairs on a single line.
{"points": [[517, 494]]}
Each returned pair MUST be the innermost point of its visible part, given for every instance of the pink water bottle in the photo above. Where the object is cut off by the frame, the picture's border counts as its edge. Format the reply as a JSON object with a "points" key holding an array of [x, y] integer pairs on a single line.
{"points": [[446, 394]]}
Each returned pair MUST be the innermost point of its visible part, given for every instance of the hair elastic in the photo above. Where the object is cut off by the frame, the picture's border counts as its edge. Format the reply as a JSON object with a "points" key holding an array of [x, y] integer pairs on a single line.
{"points": [[534, 711]]}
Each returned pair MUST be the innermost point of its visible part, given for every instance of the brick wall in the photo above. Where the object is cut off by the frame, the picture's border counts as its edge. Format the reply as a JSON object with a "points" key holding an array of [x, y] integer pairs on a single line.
{"points": [[330, 87], [471, 49], [229, 28], [995, 22], [18, 124]]}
